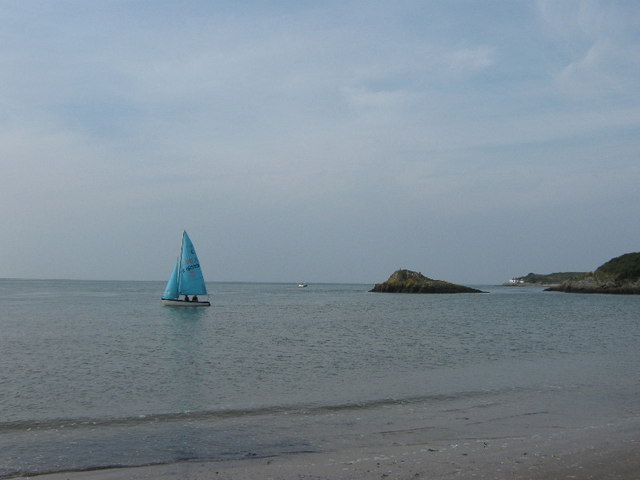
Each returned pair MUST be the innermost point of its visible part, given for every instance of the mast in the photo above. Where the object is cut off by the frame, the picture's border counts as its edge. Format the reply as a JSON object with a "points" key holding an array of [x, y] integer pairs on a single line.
{"points": [[184, 232]]}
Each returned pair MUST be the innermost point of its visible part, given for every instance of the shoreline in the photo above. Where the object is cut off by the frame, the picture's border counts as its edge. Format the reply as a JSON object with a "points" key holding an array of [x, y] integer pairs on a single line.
{"points": [[607, 451]]}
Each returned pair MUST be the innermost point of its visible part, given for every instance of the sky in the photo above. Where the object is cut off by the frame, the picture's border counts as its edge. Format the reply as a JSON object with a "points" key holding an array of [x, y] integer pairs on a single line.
{"points": [[318, 141]]}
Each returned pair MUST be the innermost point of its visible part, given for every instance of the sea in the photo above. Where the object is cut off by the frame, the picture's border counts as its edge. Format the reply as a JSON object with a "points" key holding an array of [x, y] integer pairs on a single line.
{"points": [[98, 374]]}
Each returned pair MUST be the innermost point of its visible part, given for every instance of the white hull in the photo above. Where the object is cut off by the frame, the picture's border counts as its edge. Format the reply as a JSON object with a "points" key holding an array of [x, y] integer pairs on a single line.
{"points": [[184, 303]]}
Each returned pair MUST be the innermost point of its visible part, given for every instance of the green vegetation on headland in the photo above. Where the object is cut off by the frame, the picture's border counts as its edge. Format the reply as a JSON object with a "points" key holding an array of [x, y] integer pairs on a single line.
{"points": [[407, 281], [620, 275], [540, 280]]}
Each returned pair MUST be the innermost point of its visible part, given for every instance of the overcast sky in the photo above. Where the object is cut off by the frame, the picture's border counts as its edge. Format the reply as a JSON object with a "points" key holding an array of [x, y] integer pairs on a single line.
{"points": [[325, 141]]}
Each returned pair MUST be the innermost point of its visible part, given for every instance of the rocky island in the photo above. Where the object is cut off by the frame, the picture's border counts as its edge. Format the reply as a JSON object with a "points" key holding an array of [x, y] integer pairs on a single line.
{"points": [[620, 275], [407, 281]]}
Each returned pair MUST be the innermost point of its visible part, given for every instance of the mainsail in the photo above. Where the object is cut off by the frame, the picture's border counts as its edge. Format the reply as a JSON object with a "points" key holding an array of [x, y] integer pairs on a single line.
{"points": [[190, 279]]}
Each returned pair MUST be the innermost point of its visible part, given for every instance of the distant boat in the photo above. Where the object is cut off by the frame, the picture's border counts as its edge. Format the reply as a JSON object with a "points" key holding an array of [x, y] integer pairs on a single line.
{"points": [[186, 280], [303, 284]]}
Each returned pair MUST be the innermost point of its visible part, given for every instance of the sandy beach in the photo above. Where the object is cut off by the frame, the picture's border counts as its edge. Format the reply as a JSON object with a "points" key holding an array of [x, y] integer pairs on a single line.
{"points": [[609, 451]]}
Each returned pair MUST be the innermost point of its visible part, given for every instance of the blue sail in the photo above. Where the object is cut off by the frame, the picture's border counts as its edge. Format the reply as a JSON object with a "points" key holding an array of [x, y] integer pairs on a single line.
{"points": [[171, 290], [190, 279]]}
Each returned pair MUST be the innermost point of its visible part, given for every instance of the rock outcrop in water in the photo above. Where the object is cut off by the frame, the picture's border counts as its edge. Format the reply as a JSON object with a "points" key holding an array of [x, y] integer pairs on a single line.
{"points": [[620, 275], [407, 281]]}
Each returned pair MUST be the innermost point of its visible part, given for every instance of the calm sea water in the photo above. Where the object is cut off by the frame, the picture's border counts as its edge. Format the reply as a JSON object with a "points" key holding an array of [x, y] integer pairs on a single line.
{"points": [[96, 374]]}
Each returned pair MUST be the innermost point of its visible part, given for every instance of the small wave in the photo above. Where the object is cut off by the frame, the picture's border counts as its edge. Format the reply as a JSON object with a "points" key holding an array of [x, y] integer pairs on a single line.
{"points": [[27, 474], [194, 416]]}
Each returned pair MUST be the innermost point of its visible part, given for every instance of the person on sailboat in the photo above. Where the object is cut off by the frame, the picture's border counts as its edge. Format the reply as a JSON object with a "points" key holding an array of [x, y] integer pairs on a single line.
{"points": [[186, 298], [194, 298]]}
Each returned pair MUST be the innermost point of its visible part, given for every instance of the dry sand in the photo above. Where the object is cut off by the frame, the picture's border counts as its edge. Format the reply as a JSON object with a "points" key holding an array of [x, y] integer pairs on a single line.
{"points": [[609, 451]]}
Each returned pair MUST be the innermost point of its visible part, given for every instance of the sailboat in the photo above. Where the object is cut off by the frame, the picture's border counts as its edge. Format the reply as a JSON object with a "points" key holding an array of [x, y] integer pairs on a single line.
{"points": [[186, 281]]}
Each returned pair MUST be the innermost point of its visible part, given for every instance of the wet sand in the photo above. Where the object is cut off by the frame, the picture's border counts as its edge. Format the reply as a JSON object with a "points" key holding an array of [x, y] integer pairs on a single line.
{"points": [[608, 451]]}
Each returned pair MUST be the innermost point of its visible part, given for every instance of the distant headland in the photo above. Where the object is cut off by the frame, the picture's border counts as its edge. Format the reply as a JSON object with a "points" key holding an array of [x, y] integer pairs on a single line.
{"points": [[543, 280], [407, 281], [620, 275]]}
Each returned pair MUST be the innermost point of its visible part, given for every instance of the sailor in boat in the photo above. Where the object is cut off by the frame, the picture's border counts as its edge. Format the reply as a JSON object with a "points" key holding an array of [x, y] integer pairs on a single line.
{"points": [[194, 298], [186, 298]]}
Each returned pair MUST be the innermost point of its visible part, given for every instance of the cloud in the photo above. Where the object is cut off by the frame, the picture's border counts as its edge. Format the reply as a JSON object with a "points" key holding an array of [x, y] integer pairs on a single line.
{"points": [[600, 46], [602, 70], [470, 59]]}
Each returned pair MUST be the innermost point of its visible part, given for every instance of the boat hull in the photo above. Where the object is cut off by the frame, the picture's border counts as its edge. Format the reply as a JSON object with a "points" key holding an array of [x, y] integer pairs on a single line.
{"points": [[184, 303]]}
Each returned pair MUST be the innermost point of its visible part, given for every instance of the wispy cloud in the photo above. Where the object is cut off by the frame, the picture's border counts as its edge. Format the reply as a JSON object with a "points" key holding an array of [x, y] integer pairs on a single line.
{"points": [[600, 45]]}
